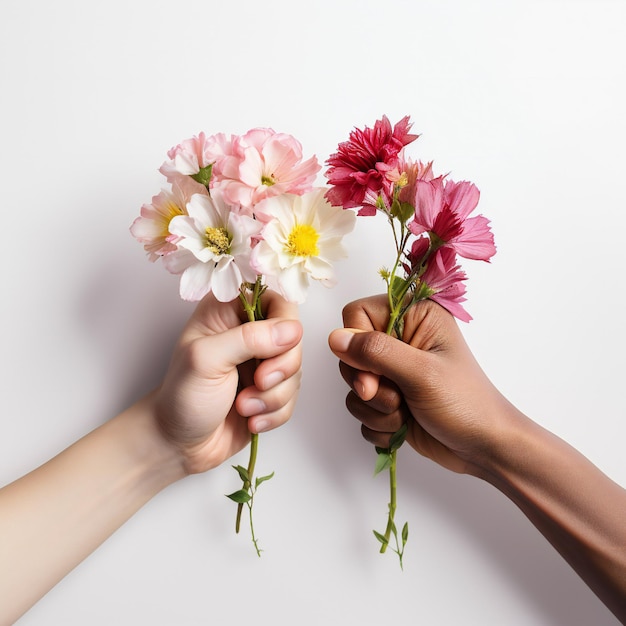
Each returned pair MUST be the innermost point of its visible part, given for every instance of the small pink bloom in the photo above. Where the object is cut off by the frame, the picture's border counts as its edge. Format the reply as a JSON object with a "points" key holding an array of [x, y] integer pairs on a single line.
{"points": [[442, 208], [152, 226], [408, 173], [362, 164], [189, 156]]}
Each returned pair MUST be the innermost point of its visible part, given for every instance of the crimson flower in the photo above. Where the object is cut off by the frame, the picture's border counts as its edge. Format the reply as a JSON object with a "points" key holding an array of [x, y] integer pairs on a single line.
{"points": [[358, 170]]}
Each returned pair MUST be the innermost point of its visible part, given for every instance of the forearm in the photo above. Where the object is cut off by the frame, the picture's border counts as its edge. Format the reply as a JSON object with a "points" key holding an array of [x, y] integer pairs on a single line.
{"points": [[54, 517], [579, 510]]}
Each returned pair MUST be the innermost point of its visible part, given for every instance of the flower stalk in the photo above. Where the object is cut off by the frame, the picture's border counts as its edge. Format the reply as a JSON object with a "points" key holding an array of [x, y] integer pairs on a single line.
{"points": [[245, 495]]}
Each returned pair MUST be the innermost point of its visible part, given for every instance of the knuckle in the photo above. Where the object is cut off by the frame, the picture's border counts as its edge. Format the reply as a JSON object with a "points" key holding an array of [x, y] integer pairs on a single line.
{"points": [[252, 336], [373, 344]]}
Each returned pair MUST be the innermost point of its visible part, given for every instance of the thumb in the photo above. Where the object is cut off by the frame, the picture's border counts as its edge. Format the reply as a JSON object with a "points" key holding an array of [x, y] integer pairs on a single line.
{"points": [[378, 353], [253, 340]]}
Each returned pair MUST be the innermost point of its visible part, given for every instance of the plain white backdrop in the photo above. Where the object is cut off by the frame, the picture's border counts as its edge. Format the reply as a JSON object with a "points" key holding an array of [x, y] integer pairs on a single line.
{"points": [[526, 99]]}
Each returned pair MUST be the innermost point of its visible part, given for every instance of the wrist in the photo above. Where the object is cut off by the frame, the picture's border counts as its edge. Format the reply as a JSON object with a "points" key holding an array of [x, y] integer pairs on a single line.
{"points": [[157, 461], [503, 445]]}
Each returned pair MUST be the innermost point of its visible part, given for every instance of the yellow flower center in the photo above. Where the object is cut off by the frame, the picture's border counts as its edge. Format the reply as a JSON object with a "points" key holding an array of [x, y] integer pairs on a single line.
{"points": [[218, 240], [172, 211], [302, 241], [268, 181]]}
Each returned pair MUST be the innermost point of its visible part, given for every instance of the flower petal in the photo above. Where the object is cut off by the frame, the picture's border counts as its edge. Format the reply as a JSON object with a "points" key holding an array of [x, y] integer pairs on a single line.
{"points": [[195, 281]]}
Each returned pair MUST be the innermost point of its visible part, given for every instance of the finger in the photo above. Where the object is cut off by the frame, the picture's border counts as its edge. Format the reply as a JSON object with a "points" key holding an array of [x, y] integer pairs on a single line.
{"points": [[253, 340], [274, 371], [250, 401], [269, 421], [387, 397], [380, 440], [380, 354], [365, 384], [371, 313], [374, 420], [274, 305]]}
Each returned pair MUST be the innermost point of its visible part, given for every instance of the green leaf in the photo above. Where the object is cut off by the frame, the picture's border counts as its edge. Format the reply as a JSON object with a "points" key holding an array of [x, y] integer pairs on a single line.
{"points": [[406, 211], [383, 461], [405, 533], [396, 209], [204, 175], [242, 471], [397, 439], [380, 538], [240, 496], [398, 287], [262, 479]]}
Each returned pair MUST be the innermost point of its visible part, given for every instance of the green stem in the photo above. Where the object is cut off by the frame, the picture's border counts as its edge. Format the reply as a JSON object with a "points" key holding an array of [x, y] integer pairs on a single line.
{"points": [[392, 501], [254, 442], [253, 310], [254, 448], [254, 539]]}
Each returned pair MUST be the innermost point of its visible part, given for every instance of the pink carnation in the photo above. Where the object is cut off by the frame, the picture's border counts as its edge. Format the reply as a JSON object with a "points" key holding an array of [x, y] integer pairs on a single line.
{"points": [[263, 164]]}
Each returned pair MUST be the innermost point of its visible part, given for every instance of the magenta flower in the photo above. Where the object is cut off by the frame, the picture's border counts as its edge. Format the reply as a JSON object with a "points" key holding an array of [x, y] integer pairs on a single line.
{"points": [[443, 279], [358, 170], [443, 208]]}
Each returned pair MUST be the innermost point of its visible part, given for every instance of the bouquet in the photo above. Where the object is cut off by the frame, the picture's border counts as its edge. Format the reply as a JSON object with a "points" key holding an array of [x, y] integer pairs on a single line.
{"points": [[429, 216], [240, 214]]}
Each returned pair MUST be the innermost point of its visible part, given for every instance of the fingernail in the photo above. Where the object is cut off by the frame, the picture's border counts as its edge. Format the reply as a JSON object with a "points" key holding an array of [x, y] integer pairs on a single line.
{"points": [[273, 379], [359, 388], [261, 426], [341, 340], [285, 332], [254, 406]]}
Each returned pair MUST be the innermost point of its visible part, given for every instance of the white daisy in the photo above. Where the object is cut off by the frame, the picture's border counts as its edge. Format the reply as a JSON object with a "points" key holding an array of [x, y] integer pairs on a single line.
{"points": [[214, 243], [300, 241]]}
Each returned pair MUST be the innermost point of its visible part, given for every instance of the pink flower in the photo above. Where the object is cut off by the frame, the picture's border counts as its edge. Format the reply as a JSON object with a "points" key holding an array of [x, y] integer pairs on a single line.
{"points": [[359, 170], [443, 279], [262, 164], [443, 208], [409, 173], [190, 155], [152, 226]]}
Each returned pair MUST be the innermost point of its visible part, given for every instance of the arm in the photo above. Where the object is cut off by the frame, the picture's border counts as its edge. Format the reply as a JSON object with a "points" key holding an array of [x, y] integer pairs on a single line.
{"points": [[55, 516], [459, 419]]}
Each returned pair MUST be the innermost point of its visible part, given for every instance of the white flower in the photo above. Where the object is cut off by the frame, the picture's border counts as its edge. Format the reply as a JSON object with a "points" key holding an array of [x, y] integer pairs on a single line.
{"points": [[300, 241], [214, 243]]}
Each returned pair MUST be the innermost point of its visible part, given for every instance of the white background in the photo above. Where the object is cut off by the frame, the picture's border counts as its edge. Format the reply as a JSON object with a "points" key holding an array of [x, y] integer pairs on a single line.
{"points": [[526, 99]]}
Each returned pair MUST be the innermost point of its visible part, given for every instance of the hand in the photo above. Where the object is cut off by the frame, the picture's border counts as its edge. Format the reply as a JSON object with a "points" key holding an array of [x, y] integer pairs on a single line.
{"points": [[430, 380], [213, 395]]}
